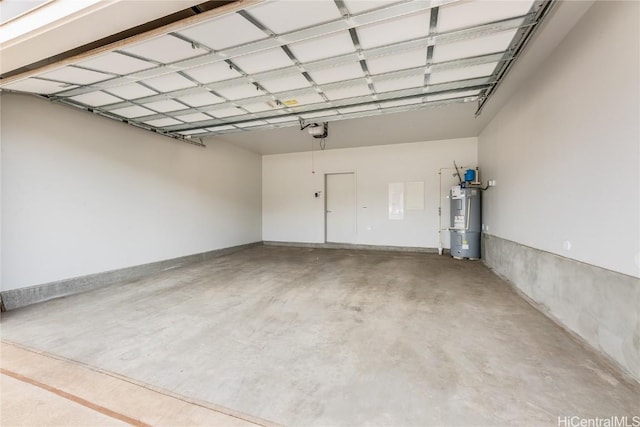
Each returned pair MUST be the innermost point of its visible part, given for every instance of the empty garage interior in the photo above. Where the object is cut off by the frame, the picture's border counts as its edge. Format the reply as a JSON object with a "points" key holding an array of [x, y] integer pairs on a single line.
{"points": [[184, 242]]}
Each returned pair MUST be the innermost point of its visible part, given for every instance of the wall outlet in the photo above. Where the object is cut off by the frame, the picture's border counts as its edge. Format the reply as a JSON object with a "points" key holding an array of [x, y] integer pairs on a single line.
{"points": [[566, 245], [492, 183]]}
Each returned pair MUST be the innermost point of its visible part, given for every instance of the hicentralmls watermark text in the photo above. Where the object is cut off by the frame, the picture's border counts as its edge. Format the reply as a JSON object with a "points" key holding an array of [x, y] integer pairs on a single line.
{"points": [[612, 421]]}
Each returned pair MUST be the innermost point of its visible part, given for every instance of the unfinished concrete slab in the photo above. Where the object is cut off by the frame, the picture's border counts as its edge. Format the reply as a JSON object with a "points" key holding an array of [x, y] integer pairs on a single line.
{"points": [[335, 337]]}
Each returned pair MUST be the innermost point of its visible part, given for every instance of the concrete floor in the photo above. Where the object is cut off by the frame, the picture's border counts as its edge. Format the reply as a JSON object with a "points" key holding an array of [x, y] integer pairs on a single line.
{"points": [[334, 337]]}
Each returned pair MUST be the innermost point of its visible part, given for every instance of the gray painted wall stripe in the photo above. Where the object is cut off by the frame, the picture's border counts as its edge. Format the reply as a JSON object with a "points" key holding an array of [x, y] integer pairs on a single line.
{"points": [[600, 307], [15, 298], [352, 246]]}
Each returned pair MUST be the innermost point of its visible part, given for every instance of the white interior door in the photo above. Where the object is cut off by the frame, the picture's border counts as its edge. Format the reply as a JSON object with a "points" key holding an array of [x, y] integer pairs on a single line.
{"points": [[340, 190]]}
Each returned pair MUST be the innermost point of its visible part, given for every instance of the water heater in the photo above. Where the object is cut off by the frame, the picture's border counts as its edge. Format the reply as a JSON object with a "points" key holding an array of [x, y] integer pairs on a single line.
{"points": [[466, 221]]}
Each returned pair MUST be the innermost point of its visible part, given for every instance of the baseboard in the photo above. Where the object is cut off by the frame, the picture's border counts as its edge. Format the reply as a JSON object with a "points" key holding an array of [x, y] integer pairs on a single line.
{"points": [[352, 246], [16, 298]]}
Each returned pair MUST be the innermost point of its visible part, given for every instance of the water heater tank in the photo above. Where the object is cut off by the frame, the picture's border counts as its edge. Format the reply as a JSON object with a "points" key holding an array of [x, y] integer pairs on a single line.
{"points": [[466, 222]]}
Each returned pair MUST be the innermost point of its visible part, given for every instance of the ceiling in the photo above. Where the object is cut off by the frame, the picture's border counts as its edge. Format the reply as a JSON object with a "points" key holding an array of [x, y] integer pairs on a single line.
{"points": [[267, 65], [436, 123]]}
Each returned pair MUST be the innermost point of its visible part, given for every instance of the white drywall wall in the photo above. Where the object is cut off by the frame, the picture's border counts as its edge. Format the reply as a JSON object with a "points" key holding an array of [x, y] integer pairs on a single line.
{"points": [[565, 150], [83, 194], [291, 213]]}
